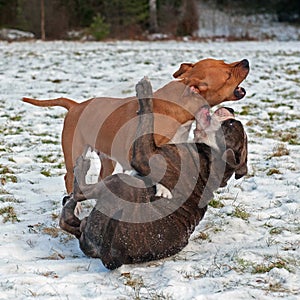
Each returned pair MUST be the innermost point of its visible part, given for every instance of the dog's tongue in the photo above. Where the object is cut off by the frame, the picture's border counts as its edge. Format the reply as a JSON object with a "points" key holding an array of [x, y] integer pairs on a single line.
{"points": [[194, 89], [203, 118]]}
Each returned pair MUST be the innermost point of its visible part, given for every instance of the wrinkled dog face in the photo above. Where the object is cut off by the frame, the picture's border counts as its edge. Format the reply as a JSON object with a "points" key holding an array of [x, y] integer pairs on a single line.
{"points": [[207, 125], [226, 135]]}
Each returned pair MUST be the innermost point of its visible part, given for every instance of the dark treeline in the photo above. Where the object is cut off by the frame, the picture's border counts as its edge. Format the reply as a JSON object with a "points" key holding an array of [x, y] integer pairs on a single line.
{"points": [[105, 18], [125, 18], [285, 10]]}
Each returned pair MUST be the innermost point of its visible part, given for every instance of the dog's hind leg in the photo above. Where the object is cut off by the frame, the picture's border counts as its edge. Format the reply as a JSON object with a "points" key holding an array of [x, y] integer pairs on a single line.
{"points": [[83, 191], [107, 166], [68, 221]]}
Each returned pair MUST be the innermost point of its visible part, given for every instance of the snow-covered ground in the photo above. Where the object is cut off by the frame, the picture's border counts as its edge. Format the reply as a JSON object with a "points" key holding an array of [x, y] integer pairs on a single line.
{"points": [[247, 246]]}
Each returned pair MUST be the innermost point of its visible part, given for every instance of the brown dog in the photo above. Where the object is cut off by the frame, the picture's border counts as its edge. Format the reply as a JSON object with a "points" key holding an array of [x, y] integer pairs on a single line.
{"points": [[108, 125], [128, 223]]}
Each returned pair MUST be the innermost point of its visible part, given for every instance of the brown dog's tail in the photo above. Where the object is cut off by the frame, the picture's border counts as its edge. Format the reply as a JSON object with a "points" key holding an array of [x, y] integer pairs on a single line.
{"points": [[64, 102]]}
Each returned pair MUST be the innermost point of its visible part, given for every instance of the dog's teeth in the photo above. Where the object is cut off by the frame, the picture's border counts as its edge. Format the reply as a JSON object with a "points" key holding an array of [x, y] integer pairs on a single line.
{"points": [[162, 191]]}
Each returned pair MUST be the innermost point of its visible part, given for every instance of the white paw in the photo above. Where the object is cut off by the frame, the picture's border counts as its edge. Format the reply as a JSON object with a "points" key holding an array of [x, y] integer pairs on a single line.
{"points": [[162, 191]]}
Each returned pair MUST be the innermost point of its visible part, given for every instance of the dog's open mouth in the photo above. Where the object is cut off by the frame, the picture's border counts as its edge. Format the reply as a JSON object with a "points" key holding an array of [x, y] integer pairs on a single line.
{"points": [[239, 92], [194, 89], [204, 119], [205, 122]]}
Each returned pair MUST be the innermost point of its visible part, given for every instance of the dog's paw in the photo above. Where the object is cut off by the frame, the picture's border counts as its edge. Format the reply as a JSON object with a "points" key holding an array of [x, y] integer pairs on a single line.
{"points": [[144, 89], [83, 163], [162, 191], [81, 168], [78, 210]]}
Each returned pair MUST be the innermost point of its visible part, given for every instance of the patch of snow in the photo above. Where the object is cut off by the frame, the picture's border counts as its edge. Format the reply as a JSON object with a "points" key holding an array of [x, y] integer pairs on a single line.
{"points": [[15, 35]]}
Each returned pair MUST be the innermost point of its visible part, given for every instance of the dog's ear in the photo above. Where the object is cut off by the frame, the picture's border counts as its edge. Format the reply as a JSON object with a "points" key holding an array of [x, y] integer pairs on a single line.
{"points": [[242, 170], [229, 157], [202, 86], [183, 68], [197, 85], [239, 166]]}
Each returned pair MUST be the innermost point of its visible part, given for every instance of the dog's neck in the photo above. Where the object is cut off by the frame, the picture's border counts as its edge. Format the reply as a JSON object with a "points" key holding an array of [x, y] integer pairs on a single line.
{"points": [[220, 169], [217, 175], [176, 91]]}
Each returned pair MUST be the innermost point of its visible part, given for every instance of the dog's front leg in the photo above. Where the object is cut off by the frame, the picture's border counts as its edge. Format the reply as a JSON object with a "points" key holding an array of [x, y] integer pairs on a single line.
{"points": [[81, 190], [144, 145]]}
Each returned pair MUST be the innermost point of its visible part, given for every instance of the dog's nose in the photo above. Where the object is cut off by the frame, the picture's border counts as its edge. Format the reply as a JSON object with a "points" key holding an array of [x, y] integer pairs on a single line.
{"points": [[245, 63]]}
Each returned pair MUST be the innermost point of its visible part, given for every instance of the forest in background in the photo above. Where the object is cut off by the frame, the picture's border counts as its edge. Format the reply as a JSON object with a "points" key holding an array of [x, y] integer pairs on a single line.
{"points": [[123, 19]]}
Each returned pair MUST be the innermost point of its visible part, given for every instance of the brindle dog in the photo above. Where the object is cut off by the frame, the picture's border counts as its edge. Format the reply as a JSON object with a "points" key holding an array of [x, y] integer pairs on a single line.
{"points": [[129, 224]]}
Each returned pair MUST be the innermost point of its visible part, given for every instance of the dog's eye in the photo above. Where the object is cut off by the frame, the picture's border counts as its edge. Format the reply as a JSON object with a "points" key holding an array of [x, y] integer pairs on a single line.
{"points": [[229, 75]]}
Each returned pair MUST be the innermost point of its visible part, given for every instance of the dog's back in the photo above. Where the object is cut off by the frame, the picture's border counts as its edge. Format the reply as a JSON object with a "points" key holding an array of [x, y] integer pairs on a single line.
{"points": [[130, 225]]}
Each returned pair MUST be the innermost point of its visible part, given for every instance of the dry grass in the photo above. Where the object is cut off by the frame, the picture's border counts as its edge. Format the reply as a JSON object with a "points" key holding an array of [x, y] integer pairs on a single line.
{"points": [[280, 150], [8, 214]]}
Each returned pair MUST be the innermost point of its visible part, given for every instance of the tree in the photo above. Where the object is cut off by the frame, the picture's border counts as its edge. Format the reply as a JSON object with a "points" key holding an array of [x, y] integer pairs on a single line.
{"points": [[43, 33], [189, 18], [153, 16], [127, 18], [99, 29]]}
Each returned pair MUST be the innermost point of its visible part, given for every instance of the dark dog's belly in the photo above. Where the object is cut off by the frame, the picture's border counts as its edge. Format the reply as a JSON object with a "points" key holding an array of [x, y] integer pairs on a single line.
{"points": [[120, 230]]}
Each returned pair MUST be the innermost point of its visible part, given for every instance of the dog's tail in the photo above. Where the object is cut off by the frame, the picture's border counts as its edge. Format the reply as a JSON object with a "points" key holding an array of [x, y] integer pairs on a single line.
{"points": [[64, 102]]}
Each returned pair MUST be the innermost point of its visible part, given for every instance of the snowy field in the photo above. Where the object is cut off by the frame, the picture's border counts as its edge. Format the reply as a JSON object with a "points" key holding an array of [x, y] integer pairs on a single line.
{"points": [[247, 246]]}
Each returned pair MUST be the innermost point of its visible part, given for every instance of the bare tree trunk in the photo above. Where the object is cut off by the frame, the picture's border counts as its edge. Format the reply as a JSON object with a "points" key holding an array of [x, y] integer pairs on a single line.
{"points": [[43, 34], [153, 16]]}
